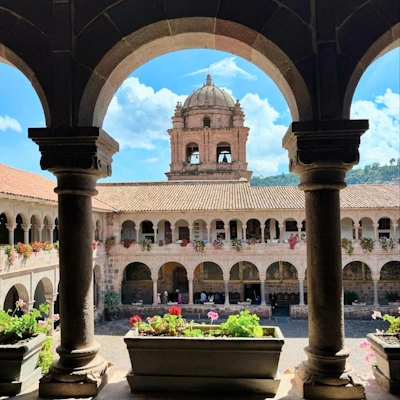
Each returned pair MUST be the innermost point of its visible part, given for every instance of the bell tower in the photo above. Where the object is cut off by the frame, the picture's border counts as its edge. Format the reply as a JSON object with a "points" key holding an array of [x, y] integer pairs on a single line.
{"points": [[208, 137]]}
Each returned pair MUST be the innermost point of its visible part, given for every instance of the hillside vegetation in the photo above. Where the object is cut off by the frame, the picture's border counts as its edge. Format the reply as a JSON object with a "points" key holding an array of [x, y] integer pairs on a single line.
{"points": [[369, 174]]}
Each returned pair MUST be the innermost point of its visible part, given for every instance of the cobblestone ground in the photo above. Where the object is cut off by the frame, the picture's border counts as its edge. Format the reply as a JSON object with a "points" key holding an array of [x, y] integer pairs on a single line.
{"points": [[110, 336]]}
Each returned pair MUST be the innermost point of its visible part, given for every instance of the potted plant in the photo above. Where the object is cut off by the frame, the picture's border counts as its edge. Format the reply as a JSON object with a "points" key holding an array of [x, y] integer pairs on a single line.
{"points": [[367, 244], [24, 349], [146, 244], [386, 349], [250, 352], [111, 305], [199, 245], [386, 243], [218, 243], [347, 245], [237, 244]]}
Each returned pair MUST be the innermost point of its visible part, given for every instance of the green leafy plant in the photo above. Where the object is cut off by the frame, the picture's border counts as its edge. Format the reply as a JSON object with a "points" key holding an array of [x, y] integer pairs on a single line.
{"points": [[172, 324], [347, 245], [367, 244], [146, 244], [23, 249], [199, 245], [386, 243], [111, 302], [392, 296], [46, 355], [11, 254], [218, 243], [237, 244], [109, 243], [393, 321], [56, 245]]}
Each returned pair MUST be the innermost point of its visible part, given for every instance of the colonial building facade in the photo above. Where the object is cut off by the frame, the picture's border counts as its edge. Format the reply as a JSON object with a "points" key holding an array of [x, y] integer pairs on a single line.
{"points": [[205, 230]]}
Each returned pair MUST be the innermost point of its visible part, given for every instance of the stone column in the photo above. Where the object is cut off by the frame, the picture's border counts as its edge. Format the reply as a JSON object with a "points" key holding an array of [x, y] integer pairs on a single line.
{"points": [[301, 290], [244, 228], [356, 226], [375, 226], [190, 281], [77, 157], [155, 227], [262, 233], [11, 228], [262, 289], [26, 228], [394, 226], [155, 290], [137, 228], [375, 280], [190, 233], [28, 306], [281, 231], [321, 152], [51, 298], [226, 229], [226, 284], [173, 233], [208, 227]]}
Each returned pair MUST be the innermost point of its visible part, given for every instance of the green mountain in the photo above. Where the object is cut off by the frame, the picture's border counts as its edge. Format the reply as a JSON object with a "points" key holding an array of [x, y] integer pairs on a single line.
{"points": [[369, 174]]}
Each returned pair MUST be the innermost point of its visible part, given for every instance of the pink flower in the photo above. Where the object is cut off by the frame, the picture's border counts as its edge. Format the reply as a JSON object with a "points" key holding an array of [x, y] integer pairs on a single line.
{"points": [[56, 317], [213, 315], [376, 314], [365, 344], [20, 303], [42, 323]]}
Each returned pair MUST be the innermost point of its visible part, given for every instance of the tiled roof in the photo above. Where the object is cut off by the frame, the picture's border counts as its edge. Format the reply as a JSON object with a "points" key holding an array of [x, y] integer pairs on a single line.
{"points": [[28, 184], [198, 196]]}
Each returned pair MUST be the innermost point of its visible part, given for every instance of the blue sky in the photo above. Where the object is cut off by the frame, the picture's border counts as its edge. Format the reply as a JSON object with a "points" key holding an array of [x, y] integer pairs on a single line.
{"points": [[140, 113]]}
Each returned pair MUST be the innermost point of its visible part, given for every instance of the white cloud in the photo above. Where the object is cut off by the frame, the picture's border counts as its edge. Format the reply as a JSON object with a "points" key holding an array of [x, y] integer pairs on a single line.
{"points": [[264, 146], [7, 122], [225, 68], [382, 141], [138, 117], [151, 160]]}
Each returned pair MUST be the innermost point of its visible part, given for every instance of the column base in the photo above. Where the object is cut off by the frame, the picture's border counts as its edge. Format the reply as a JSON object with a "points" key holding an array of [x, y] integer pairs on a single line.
{"points": [[87, 381], [318, 385]]}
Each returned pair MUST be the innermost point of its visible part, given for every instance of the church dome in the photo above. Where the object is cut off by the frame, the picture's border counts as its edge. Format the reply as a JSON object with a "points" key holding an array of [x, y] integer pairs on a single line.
{"points": [[209, 96]]}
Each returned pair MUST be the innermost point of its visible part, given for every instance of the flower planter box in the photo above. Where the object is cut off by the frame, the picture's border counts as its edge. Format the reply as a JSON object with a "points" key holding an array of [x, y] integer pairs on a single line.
{"points": [[185, 364], [18, 365], [387, 371]]}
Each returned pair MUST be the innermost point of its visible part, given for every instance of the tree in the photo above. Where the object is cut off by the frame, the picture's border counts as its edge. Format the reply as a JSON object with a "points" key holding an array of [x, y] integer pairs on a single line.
{"points": [[392, 161]]}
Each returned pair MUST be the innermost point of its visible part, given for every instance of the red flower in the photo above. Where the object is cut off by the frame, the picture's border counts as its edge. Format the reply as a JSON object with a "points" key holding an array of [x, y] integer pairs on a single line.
{"points": [[134, 320], [175, 310]]}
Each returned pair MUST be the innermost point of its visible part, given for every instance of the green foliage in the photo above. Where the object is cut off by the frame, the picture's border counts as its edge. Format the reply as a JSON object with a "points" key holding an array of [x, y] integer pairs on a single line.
{"points": [[242, 325], [349, 297], [394, 323], [111, 300], [56, 245], [392, 296], [347, 244], [367, 244], [46, 356], [368, 174]]}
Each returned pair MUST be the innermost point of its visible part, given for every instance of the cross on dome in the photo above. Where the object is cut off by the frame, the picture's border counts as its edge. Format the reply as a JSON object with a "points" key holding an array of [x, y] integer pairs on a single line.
{"points": [[208, 80]]}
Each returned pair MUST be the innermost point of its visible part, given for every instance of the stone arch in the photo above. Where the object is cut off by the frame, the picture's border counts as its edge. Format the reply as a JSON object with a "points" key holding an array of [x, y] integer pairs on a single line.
{"points": [[36, 223], [207, 121], [19, 232], [347, 227], [4, 236], [390, 271], [208, 277], [136, 284], [253, 229], [193, 154], [386, 38], [224, 152], [43, 290], [122, 54], [128, 230], [14, 293], [357, 271]]}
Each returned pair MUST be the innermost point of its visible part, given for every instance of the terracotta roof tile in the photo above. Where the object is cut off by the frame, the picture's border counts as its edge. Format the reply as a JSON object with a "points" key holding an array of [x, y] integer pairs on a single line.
{"points": [[28, 184], [197, 196]]}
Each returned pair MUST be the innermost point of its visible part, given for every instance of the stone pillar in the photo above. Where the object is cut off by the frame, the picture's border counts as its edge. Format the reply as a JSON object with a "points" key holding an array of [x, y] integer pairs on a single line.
{"points": [[173, 233], [262, 233], [190, 281], [356, 226], [155, 227], [375, 226], [321, 152], [244, 228], [51, 298], [208, 227], [137, 228], [190, 233], [226, 228], [281, 231], [376, 298], [26, 228], [394, 226], [77, 157], [226, 284], [40, 230], [11, 228], [301, 290], [262, 289], [28, 306], [155, 291]]}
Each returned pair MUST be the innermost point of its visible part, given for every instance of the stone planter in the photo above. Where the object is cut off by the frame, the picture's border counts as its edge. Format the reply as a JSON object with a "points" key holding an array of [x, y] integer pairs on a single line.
{"points": [[18, 364], [239, 365], [387, 371]]}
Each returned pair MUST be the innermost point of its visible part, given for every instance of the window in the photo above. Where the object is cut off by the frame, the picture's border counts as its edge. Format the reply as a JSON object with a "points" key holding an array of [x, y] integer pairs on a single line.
{"points": [[291, 226], [206, 122]]}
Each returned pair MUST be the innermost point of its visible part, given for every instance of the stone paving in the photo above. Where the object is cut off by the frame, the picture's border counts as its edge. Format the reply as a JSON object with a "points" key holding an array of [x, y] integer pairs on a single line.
{"points": [[110, 336]]}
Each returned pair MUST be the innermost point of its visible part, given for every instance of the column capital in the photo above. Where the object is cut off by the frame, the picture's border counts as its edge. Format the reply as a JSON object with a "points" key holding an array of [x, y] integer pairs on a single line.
{"points": [[11, 226], [321, 152], [26, 227], [375, 225], [80, 149], [394, 226]]}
